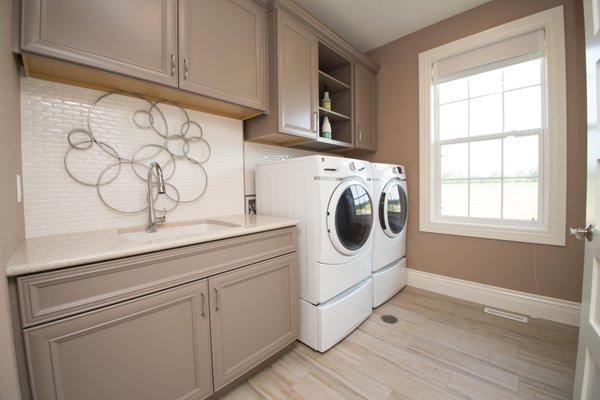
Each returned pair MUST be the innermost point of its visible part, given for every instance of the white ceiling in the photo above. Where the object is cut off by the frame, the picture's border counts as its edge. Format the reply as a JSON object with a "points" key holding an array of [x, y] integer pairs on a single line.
{"points": [[367, 24]]}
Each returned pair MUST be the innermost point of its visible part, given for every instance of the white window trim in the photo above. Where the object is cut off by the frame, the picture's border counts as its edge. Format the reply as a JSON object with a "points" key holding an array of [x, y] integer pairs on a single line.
{"points": [[551, 230]]}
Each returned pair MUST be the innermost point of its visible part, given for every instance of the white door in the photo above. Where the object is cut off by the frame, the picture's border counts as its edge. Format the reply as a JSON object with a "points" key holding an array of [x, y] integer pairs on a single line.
{"points": [[587, 377]]}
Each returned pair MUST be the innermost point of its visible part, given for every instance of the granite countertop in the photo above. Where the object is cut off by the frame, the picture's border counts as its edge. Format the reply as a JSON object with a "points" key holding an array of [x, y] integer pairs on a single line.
{"points": [[58, 251]]}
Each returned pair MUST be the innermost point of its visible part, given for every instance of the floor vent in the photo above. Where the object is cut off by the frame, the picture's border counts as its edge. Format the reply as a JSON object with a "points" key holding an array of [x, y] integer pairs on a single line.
{"points": [[505, 314], [389, 319]]}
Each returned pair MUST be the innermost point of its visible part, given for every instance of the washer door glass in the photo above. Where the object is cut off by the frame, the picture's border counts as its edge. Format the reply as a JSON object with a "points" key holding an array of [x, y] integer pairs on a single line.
{"points": [[354, 217], [393, 209]]}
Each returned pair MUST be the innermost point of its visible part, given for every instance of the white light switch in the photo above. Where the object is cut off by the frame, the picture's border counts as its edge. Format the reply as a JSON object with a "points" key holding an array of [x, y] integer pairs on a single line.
{"points": [[19, 189]]}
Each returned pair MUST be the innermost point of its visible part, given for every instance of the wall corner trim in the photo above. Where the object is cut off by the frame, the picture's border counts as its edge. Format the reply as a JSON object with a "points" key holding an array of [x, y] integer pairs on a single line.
{"points": [[536, 306]]}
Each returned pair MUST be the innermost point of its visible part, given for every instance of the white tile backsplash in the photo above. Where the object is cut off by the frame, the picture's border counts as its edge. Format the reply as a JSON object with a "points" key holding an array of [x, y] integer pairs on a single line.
{"points": [[55, 203], [256, 153]]}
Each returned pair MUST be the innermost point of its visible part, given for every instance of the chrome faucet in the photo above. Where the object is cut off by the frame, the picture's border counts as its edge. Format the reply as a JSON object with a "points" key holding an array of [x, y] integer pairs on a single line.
{"points": [[153, 220]]}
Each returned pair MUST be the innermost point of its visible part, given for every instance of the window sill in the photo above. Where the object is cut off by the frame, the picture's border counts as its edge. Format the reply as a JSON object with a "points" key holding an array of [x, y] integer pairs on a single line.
{"points": [[541, 235]]}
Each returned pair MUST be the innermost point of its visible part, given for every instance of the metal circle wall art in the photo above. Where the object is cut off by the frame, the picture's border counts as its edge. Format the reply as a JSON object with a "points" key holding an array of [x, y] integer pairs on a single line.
{"points": [[176, 147]]}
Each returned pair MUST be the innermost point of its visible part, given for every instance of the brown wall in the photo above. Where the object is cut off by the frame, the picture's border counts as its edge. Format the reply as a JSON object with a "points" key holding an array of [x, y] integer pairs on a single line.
{"points": [[11, 213], [499, 263]]}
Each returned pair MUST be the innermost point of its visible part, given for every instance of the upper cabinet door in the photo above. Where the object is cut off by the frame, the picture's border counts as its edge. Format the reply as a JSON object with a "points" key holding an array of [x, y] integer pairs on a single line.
{"points": [[134, 37], [364, 113], [297, 78], [223, 50], [155, 347]]}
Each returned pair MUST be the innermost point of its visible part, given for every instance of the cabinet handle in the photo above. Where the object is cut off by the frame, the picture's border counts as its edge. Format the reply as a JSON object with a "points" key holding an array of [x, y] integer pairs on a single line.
{"points": [[316, 121], [203, 304], [185, 68], [359, 133], [216, 299], [172, 64]]}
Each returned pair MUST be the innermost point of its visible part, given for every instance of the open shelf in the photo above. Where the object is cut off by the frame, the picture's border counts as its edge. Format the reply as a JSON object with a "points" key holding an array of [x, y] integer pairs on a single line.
{"points": [[325, 144], [335, 72], [333, 116], [333, 84]]}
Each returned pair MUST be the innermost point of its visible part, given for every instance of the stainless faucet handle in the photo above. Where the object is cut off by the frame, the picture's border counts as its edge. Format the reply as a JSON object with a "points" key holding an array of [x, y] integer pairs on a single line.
{"points": [[162, 219]]}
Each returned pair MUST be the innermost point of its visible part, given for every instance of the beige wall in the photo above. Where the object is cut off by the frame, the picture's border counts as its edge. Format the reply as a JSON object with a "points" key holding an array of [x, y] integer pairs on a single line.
{"points": [[11, 213], [499, 263]]}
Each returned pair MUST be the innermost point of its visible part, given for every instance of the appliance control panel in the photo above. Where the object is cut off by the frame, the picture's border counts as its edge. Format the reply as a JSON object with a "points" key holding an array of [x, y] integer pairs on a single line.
{"points": [[339, 167]]}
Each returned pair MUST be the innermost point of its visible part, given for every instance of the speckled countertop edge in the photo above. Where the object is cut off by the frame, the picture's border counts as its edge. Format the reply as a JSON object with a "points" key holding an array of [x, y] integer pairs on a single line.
{"points": [[48, 253]]}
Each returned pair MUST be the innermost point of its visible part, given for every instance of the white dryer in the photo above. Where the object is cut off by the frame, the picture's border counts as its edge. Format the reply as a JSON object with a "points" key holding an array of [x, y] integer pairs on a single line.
{"points": [[389, 243], [332, 199]]}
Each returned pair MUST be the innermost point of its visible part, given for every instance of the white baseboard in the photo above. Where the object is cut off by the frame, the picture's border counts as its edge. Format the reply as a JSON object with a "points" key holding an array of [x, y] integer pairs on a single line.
{"points": [[566, 312]]}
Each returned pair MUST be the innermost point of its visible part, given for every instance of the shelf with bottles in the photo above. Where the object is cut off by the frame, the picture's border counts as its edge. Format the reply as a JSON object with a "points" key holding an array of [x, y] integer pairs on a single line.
{"points": [[334, 85], [340, 130], [333, 115], [335, 79]]}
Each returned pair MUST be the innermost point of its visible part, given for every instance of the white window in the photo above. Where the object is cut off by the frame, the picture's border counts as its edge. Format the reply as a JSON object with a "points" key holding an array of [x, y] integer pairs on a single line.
{"points": [[493, 133]]}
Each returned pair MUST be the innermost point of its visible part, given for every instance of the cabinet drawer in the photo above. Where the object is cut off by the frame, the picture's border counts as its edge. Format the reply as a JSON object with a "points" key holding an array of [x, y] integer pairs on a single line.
{"points": [[48, 296]]}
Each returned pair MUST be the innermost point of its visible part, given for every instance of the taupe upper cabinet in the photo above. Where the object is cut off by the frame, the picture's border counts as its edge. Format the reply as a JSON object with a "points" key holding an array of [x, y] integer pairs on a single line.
{"points": [[137, 38], [297, 77], [254, 314], [364, 103], [222, 45], [152, 348]]}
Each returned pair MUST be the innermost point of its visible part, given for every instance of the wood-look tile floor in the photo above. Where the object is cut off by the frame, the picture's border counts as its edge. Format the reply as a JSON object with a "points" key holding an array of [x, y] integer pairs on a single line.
{"points": [[440, 348]]}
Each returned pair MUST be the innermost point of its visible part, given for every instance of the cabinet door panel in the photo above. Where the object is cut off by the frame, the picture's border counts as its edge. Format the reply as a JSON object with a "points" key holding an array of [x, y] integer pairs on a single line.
{"points": [[133, 37], [223, 49], [254, 314], [155, 347], [364, 81], [297, 72]]}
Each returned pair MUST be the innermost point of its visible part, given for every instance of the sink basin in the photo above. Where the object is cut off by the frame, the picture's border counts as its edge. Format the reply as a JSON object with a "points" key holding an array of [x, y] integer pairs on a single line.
{"points": [[175, 230]]}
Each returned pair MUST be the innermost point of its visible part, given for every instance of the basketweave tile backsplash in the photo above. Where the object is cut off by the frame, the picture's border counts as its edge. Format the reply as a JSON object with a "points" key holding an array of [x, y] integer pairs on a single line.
{"points": [[55, 203]]}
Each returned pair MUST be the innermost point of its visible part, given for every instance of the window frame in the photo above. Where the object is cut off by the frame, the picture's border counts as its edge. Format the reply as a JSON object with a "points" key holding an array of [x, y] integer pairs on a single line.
{"points": [[551, 224]]}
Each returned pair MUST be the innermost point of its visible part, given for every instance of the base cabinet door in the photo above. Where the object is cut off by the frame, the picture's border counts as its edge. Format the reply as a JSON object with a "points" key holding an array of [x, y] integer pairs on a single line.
{"points": [[364, 103], [137, 38], [254, 314], [222, 46], [153, 348]]}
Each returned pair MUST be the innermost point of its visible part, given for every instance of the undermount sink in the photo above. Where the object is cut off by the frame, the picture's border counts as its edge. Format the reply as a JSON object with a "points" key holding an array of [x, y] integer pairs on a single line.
{"points": [[176, 230]]}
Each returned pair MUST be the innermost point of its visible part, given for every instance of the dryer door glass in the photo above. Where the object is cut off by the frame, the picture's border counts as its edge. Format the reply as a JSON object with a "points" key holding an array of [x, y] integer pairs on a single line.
{"points": [[393, 209], [354, 217]]}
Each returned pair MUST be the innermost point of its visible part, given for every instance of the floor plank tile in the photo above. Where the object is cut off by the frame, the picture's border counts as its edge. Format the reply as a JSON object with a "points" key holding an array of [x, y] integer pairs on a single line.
{"points": [[440, 348]]}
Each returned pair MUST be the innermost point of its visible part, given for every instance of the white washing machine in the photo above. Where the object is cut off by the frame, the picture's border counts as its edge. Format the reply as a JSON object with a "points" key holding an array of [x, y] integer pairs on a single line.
{"points": [[389, 234], [332, 199]]}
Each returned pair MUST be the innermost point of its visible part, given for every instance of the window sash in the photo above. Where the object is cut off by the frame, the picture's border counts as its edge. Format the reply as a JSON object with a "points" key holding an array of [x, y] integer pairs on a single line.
{"points": [[490, 56], [438, 143]]}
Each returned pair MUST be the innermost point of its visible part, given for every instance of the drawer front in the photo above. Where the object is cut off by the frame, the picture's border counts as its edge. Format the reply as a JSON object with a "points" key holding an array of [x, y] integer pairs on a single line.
{"points": [[52, 295]]}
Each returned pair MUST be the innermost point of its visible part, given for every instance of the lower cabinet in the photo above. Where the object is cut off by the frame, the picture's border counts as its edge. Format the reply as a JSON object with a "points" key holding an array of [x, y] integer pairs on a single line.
{"points": [[155, 347], [253, 315], [158, 346]]}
